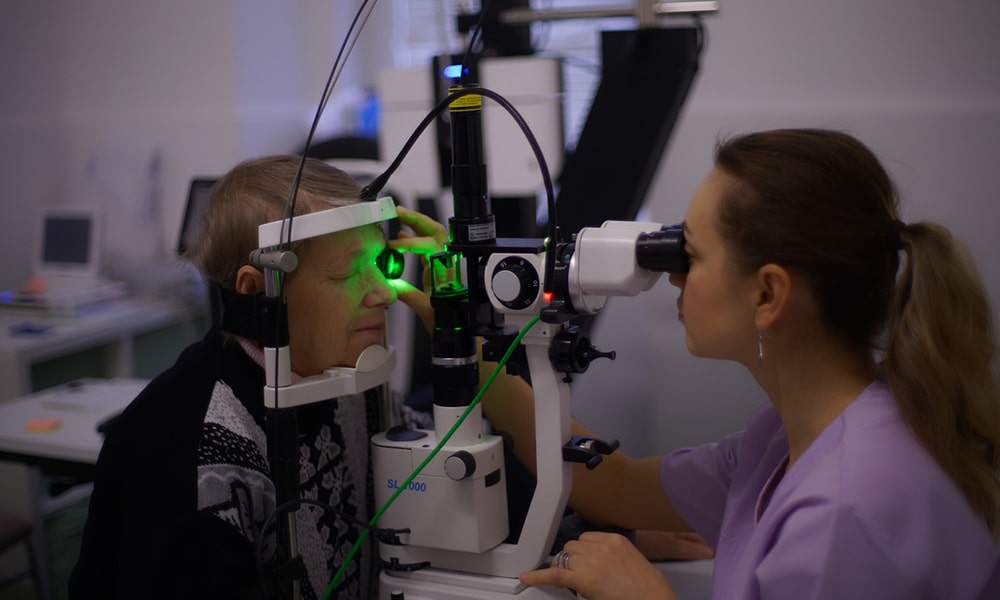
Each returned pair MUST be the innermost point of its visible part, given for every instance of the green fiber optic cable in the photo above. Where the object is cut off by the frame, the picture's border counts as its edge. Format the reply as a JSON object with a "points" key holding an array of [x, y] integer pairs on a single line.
{"points": [[434, 452]]}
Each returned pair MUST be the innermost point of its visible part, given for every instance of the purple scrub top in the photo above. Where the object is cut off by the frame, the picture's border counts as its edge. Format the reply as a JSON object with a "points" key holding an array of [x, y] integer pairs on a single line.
{"points": [[865, 513]]}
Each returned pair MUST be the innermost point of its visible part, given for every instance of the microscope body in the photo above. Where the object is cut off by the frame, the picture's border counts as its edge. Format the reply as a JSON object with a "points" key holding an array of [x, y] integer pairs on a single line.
{"points": [[453, 547], [454, 502]]}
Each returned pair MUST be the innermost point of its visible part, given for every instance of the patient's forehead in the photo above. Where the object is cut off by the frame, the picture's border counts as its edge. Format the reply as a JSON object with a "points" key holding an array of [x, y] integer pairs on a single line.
{"points": [[345, 248]]}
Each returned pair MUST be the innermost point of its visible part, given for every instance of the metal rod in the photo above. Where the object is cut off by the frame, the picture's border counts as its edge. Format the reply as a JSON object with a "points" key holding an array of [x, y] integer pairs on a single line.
{"points": [[645, 16], [293, 548], [523, 16], [684, 8]]}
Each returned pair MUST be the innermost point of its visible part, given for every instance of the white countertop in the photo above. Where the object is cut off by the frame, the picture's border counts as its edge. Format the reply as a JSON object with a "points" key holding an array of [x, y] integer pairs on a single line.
{"points": [[75, 410]]}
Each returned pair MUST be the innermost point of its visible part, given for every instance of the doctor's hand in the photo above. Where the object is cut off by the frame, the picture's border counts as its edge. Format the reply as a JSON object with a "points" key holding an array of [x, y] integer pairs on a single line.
{"points": [[603, 566], [428, 237]]}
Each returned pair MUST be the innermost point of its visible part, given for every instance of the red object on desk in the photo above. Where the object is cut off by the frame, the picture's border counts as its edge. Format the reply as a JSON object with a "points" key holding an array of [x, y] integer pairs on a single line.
{"points": [[35, 285], [42, 425]]}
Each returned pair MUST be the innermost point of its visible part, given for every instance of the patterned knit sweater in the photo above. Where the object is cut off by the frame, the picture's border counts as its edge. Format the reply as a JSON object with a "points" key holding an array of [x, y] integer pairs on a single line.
{"points": [[183, 488]]}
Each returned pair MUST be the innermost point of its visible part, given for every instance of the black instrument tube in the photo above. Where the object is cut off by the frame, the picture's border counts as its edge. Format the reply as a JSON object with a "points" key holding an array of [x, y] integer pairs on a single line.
{"points": [[454, 359], [473, 221]]}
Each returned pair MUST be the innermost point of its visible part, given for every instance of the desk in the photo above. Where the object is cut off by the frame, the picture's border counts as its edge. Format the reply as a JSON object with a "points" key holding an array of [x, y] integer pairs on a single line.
{"points": [[691, 580], [136, 337], [77, 407], [69, 444], [110, 341]]}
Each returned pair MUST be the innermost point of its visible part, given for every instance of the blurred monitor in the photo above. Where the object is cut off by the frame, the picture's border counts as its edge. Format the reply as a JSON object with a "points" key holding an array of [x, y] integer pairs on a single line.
{"points": [[68, 242], [194, 210]]}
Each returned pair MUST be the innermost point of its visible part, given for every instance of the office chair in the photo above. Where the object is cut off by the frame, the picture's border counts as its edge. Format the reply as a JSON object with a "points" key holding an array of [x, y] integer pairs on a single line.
{"points": [[15, 530]]}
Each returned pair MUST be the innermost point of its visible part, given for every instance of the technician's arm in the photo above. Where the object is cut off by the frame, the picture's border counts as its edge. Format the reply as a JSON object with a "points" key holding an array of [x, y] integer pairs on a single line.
{"points": [[622, 491]]}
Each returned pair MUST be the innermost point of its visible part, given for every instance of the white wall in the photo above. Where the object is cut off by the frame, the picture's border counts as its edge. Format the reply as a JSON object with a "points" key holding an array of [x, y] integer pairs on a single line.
{"points": [[215, 82], [32, 88], [920, 85], [205, 83]]}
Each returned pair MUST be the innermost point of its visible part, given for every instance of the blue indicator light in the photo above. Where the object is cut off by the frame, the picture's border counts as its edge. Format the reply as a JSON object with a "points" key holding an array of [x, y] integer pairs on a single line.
{"points": [[453, 71]]}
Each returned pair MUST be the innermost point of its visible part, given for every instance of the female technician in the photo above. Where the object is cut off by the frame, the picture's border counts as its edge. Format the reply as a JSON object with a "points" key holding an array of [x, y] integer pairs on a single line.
{"points": [[872, 471]]}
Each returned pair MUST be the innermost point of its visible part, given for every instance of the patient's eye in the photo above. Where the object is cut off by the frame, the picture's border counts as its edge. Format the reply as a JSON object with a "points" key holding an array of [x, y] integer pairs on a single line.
{"points": [[390, 262]]}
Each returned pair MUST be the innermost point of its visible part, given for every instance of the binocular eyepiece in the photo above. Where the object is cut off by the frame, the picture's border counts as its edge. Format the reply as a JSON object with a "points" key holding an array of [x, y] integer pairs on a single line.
{"points": [[663, 250]]}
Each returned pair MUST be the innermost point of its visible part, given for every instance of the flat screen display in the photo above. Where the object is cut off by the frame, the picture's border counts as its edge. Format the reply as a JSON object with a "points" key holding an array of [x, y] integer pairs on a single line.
{"points": [[67, 240], [194, 211]]}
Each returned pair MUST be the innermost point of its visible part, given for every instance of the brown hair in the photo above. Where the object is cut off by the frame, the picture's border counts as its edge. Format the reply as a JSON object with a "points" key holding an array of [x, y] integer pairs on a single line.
{"points": [[820, 204], [255, 192]]}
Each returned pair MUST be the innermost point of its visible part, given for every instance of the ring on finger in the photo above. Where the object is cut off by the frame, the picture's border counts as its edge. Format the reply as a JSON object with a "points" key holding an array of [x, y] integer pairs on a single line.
{"points": [[561, 560]]}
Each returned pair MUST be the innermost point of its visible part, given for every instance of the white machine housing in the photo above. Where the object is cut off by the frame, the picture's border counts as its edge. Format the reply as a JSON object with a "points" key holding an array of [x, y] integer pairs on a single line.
{"points": [[458, 495]]}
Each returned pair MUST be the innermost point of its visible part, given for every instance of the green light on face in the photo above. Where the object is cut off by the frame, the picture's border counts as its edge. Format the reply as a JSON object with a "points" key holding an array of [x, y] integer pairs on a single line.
{"points": [[400, 285], [390, 262]]}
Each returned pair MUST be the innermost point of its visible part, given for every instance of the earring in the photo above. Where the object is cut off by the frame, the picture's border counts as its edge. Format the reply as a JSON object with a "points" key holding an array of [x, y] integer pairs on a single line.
{"points": [[760, 348]]}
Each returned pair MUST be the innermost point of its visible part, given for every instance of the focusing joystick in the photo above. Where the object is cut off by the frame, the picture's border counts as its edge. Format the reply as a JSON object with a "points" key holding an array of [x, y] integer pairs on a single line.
{"points": [[572, 352], [587, 450]]}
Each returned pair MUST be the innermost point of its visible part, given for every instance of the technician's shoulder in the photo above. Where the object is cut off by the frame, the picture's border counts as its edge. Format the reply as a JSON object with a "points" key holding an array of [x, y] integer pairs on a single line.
{"points": [[885, 469], [908, 504]]}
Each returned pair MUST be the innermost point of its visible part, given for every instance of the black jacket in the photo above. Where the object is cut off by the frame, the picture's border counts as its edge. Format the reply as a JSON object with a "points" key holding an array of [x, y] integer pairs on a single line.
{"points": [[179, 495]]}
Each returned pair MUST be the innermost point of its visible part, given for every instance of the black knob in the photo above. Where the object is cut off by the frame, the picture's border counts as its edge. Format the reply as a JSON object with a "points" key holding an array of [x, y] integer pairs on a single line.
{"points": [[571, 351], [590, 354], [587, 450], [460, 465]]}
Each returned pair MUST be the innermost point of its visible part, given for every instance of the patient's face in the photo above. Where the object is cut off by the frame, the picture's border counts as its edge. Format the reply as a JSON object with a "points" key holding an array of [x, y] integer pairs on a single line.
{"points": [[337, 300]]}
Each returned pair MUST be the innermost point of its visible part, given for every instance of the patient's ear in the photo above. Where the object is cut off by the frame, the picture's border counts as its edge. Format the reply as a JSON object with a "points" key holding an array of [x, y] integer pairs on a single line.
{"points": [[249, 280]]}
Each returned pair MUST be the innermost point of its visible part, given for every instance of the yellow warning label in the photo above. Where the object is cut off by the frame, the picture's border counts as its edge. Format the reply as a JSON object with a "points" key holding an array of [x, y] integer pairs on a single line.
{"points": [[466, 103]]}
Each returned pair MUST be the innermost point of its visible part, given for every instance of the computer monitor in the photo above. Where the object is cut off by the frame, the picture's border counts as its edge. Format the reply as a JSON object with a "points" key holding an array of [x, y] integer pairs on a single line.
{"points": [[68, 242], [194, 210]]}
